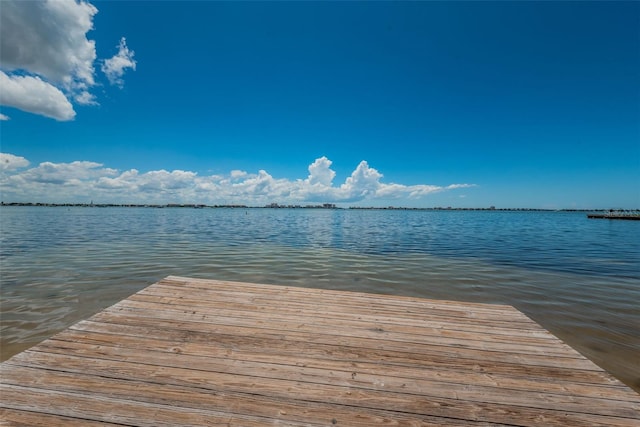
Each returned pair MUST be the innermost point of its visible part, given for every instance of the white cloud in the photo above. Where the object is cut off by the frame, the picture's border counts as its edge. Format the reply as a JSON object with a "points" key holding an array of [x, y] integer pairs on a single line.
{"points": [[165, 181], [33, 95], [363, 182], [85, 98], [77, 181], [9, 162], [320, 172], [124, 181], [46, 57], [114, 67], [48, 38], [237, 174], [3, 117], [67, 173]]}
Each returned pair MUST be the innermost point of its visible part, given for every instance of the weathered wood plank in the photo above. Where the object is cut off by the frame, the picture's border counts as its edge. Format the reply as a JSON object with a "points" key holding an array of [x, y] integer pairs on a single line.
{"points": [[365, 399], [375, 343], [20, 418], [288, 309], [394, 379], [228, 402], [265, 349], [95, 407], [203, 352], [350, 328], [334, 301], [571, 383], [399, 304]]}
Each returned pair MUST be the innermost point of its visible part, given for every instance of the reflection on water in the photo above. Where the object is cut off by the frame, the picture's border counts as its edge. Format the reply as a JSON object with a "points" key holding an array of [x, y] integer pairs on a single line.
{"points": [[578, 278]]}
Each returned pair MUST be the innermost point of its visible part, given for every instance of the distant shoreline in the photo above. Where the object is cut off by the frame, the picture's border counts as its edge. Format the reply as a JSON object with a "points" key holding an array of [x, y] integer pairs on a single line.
{"points": [[276, 206]]}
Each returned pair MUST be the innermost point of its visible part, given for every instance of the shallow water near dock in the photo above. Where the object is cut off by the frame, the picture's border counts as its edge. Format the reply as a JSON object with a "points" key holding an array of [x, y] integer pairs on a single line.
{"points": [[578, 278]]}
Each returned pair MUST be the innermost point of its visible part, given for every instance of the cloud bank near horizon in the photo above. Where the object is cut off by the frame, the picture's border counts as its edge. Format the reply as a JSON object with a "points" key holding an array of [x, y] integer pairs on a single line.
{"points": [[47, 62], [83, 181]]}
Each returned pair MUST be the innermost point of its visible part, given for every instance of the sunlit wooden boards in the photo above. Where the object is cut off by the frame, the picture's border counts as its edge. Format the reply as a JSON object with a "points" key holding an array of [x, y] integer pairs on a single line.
{"points": [[194, 352]]}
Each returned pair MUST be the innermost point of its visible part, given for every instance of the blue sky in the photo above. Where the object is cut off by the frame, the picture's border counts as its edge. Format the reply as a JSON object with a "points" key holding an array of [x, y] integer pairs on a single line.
{"points": [[524, 104]]}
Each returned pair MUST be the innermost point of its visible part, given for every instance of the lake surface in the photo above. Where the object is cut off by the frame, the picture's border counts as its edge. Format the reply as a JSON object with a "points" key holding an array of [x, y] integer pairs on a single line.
{"points": [[577, 277]]}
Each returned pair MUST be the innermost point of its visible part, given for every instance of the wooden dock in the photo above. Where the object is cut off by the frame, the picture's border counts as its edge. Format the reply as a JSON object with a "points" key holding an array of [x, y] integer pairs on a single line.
{"points": [[191, 352], [627, 215]]}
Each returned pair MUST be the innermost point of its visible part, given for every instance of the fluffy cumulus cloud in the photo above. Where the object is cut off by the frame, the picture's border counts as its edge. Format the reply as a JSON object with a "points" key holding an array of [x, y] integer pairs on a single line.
{"points": [[34, 95], [9, 162], [115, 67], [46, 59], [80, 181], [320, 172], [78, 172]]}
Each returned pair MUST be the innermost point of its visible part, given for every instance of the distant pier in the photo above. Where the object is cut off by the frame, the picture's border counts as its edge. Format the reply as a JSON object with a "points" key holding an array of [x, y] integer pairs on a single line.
{"points": [[616, 214], [194, 352]]}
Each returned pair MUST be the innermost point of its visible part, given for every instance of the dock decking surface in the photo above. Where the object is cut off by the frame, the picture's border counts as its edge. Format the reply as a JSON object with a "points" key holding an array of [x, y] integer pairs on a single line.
{"points": [[192, 352]]}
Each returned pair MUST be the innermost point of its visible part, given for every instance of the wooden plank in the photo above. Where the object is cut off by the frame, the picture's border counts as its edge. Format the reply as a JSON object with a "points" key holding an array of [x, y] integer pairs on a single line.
{"points": [[95, 407], [335, 301], [253, 306], [230, 403], [95, 345], [349, 328], [279, 311], [204, 352], [366, 399], [265, 349], [402, 304], [19, 418], [374, 343], [395, 378], [266, 346]]}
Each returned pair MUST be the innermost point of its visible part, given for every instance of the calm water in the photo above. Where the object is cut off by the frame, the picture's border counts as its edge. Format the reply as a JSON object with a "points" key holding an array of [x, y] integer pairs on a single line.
{"points": [[579, 278]]}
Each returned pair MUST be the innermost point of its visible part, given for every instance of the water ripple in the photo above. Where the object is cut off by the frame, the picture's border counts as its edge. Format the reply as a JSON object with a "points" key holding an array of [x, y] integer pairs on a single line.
{"points": [[578, 278]]}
